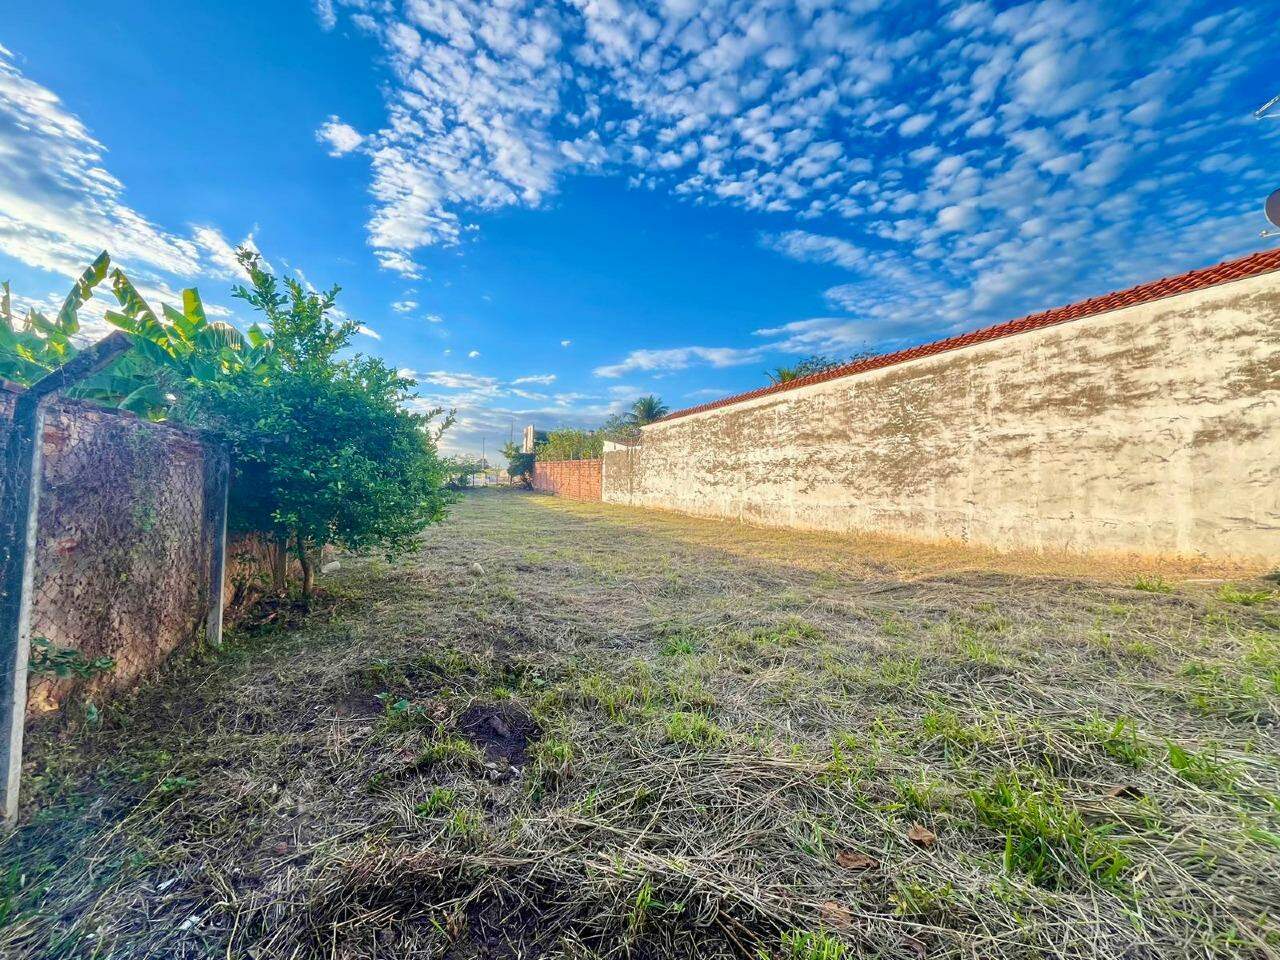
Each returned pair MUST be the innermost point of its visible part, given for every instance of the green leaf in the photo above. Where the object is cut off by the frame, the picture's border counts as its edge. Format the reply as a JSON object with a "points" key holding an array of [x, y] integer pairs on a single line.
{"points": [[141, 400], [178, 324], [68, 316], [193, 308]]}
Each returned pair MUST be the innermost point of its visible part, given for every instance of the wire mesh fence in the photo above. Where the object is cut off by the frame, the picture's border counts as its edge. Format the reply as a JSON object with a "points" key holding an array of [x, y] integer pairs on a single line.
{"points": [[124, 547], [124, 559]]}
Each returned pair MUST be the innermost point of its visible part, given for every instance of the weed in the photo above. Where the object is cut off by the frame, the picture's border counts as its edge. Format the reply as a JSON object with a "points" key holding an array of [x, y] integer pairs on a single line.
{"points": [[466, 824], [439, 800], [554, 758], [947, 727], [175, 784], [901, 671], [1204, 768], [618, 700], [682, 644], [62, 662], [789, 633], [808, 945], [450, 749], [1044, 838], [1119, 739], [694, 729], [1230, 593], [644, 905], [915, 899], [921, 795], [1155, 584]]}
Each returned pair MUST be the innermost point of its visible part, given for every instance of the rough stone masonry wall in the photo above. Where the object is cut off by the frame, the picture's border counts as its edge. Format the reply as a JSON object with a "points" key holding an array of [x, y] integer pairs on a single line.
{"points": [[1152, 429], [124, 545], [572, 479]]}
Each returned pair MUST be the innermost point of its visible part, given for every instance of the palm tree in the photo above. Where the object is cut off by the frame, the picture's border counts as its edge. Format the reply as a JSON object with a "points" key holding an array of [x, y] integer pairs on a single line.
{"points": [[809, 366], [783, 374], [647, 410]]}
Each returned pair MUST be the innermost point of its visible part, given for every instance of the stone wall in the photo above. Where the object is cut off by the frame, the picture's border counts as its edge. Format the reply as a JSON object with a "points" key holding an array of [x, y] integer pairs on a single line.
{"points": [[572, 479], [1151, 429], [126, 536]]}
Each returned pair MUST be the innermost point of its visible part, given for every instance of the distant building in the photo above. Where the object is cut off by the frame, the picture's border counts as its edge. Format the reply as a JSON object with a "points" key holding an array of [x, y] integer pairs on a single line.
{"points": [[532, 438]]}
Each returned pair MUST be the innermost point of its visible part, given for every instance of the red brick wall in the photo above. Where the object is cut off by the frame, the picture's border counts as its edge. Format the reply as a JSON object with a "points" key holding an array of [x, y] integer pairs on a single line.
{"points": [[573, 479]]}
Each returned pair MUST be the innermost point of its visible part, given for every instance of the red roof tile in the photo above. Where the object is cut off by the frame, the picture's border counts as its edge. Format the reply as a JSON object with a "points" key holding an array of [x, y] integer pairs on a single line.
{"points": [[1264, 261]]}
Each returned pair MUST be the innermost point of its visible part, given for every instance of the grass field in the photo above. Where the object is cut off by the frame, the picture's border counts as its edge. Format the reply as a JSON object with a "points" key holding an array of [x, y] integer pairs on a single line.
{"points": [[575, 730]]}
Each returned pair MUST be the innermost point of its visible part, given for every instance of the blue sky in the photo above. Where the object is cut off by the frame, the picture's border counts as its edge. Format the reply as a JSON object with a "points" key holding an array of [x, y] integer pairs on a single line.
{"points": [[545, 209]]}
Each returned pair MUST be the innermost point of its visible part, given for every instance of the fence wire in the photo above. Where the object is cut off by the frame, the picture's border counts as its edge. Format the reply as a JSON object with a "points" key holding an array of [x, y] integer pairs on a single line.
{"points": [[128, 526]]}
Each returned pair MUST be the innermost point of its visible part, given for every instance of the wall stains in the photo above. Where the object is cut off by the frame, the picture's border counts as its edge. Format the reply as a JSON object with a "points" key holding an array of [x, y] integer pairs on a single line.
{"points": [[1150, 429]]}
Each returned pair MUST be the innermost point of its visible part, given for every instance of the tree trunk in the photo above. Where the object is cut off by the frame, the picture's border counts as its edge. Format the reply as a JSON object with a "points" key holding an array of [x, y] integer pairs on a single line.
{"points": [[280, 564], [307, 562]]}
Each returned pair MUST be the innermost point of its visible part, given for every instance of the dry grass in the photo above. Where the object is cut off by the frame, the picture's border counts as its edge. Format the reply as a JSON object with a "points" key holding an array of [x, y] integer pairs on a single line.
{"points": [[727, 742]]}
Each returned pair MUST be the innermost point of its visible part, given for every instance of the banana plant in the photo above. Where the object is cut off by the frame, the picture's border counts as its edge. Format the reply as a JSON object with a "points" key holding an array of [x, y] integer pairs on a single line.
{"points": [[32, 348], [179, 348], [172, 351]]}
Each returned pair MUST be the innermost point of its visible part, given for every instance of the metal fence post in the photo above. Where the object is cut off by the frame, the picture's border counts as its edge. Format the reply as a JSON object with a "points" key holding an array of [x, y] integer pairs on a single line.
{"points": [[19, 516], [217, 486]]}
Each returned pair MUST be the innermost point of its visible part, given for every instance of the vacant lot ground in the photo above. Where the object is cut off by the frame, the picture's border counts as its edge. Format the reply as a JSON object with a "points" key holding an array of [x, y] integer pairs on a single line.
{"points": [[573, 730]]}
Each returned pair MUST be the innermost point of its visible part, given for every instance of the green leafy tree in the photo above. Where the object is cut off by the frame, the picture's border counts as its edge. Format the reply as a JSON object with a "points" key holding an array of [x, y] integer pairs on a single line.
{"points": [[804, 368], [620, 428], [325, 451], [461, 470], [648, 410], [571, 445], [519, 464], [812, 365]]}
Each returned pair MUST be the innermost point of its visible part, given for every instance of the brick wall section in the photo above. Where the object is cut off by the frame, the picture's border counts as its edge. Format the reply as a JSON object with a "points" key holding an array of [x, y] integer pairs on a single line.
{"points": [[572, 479], [124, 543], [1151, 426]]}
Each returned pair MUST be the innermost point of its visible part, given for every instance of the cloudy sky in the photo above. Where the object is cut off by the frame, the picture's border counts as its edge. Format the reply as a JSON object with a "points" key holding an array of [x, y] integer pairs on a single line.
{"points": [[545, 209]]}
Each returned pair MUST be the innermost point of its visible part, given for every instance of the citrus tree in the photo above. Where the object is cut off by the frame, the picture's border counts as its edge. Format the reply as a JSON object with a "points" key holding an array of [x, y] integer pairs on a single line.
{"points": [[324, 447]]}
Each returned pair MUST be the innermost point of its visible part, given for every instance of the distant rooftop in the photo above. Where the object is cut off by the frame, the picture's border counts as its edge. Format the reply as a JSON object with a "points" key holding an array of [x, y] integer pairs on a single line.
{"points": [[1253, 265]]}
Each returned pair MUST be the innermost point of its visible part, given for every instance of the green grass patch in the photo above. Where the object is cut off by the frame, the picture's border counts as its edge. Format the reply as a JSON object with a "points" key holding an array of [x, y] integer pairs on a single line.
{"points": [[692, 729], [1045, 839], [808, 945], [1230, 593]]}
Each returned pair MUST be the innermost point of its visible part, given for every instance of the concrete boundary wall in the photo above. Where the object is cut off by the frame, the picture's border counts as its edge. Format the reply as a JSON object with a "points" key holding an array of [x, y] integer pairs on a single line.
{"points": [[1151, 429]]}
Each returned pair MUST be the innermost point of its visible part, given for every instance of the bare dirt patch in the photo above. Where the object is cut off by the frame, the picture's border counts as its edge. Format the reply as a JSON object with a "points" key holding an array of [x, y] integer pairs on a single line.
{"points": [[502, 731]]}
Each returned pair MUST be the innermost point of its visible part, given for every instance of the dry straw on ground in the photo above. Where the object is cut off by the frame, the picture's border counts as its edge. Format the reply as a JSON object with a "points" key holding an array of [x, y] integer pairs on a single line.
{"points": [[649, 736]]}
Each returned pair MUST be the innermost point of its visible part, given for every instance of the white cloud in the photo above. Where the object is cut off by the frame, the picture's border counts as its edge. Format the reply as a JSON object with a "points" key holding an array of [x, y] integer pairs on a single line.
{"points": [[815, 248], [434, 318], [473, 354], [59, 206], [543, 378], [459, 381], [342, 138], [958, 157], [565, 343], [404, 306], [325, 14], [368, 332], [221, 254], [678, 358]]}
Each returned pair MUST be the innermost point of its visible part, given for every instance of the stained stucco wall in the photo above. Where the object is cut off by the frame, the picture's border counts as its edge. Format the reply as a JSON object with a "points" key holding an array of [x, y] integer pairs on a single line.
{"points": [[1154, 429]]}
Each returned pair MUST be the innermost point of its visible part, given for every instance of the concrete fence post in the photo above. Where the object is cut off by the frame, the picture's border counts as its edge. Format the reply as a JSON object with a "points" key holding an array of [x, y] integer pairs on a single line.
{"points": [[217, 486], [19, 516]]}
